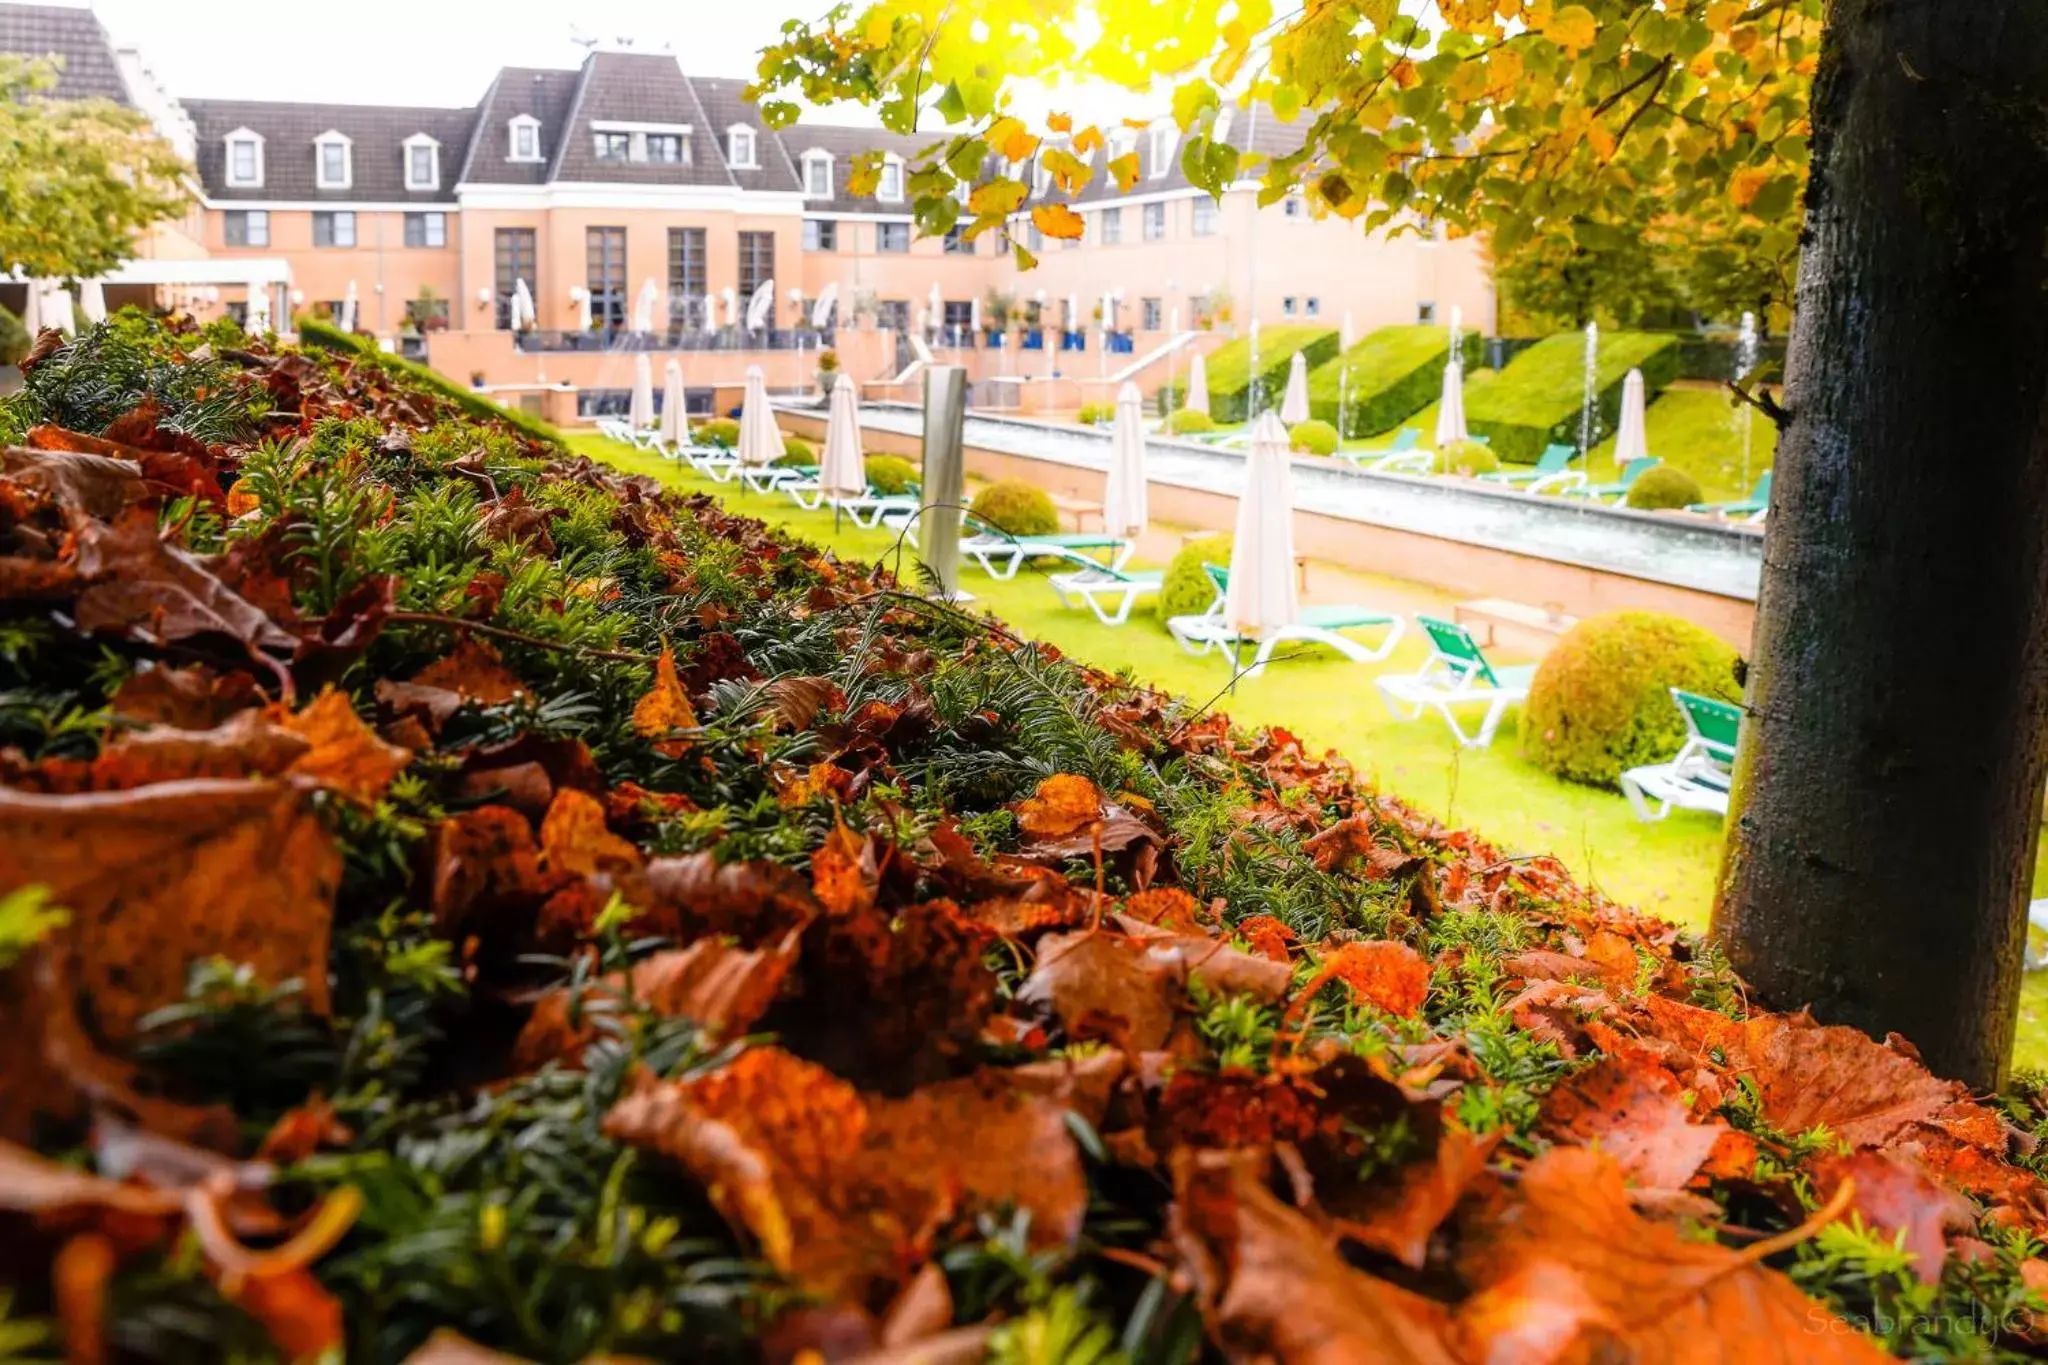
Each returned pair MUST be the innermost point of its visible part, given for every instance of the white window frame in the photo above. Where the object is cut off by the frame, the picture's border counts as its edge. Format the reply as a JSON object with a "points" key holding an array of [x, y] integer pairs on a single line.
{"points": [[1150, 214], [250, 218], [335, 217], [1204, 209], [514, 126], [732, 155], [892, 170], [427, 216], [683, 150], [433, 149], [253, 139], [334, 138], [1159, 145], [814, 157]]}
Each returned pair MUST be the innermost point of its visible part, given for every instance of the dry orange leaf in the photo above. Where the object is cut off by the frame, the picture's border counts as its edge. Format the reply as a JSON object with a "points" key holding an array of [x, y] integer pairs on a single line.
{"points": [[573, 837], [475, 671], [1063, 804], [343, 754], [1893, 1197], [1057, 220], [1632, 1112], [1384, 973], [666, 706], [842, 875], [162, 877], [1399, 1216]]}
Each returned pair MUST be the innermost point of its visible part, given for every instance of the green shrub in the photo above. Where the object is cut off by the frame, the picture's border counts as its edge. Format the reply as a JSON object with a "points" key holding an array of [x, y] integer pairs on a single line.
{"points": [[890, 475], [721, 432], [1187, 421], [1187, 590], [1230, 366], [1092, 413], [1466, 458], [796, 451], [1022, 509], [1601, 702], [1662, 486], [1536, 401], [1395, 373], [14, 339], [314, 332], [1313, 438]]}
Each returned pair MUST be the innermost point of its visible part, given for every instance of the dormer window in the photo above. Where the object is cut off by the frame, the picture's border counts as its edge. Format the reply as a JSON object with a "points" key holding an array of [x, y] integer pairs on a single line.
{"points": [[1159, 158], [245, 159], [333, 167], [523, 138], [817, 174], [889, 188], [739, 148], [422, 163]]}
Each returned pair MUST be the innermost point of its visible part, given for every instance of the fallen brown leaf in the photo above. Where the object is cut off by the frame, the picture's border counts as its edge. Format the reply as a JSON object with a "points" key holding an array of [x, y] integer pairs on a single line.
{"points": [[1633, 1113]]}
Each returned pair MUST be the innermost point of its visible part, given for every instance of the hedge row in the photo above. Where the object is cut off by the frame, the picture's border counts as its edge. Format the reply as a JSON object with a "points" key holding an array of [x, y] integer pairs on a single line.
{"points": [[1536, 400], [326, 335], [1395, 373], [1229, 367]]}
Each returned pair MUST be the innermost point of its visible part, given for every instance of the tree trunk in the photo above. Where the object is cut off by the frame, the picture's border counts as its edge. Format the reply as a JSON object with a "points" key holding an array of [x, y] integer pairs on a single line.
{"points": [[1887, 801]]}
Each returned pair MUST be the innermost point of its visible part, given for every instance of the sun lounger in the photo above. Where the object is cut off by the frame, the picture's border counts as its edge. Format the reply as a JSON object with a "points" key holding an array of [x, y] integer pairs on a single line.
{"points": [[1700, 776], [1001, 554], [1617, 490], [1402, 455], [1552, 470], [1456, 675], [1108, 591], [1753, 508], [1322, 625]]}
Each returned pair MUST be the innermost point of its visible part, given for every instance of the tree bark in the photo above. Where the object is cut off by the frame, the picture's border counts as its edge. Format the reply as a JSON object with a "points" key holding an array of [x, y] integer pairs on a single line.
{"points": [[1888, 797]]}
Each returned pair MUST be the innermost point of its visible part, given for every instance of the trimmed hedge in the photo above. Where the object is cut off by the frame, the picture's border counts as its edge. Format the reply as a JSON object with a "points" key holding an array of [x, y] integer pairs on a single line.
{"points": [[1186, 589], [1313, 438], [722, 432], [1601, 701], [795, 452], [890, 475], [1537, 399], [1662, 487], [1396, 372], [1187, 421], [1466, 458], [312, 331], [1022, 509], [1229, 367], [1090, 414]]}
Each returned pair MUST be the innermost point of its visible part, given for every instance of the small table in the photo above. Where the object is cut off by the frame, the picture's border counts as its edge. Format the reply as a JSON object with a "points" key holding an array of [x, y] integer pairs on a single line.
{"points": [[1080, 509]]}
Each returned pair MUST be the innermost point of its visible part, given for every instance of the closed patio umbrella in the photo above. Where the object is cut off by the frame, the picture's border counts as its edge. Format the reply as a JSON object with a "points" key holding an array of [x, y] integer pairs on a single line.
{"points": [[760, 440], [1632, 441], [1198, 385], [1344, 334], [258, 316], [347, 320], [761, 306], [1262, 594], [522, 313], [710, 319], [57, 311], [1450, 412], [32, 309], [732, 306], [92, 300], [1123, 496], [822, 307], [1294, 404], [842, 472], [641, 413], [673, 425], [581, 298], [643, 307]]}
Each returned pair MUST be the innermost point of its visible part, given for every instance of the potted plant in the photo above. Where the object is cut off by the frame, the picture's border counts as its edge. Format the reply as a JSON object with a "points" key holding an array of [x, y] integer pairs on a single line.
{"points": [[476, 379], [828, 371]]}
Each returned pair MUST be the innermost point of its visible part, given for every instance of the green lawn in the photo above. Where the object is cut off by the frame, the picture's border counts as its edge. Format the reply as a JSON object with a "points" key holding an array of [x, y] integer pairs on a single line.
{"points": [[1538, 396], [1665, 868], [1699, 429], [1228, 368]]}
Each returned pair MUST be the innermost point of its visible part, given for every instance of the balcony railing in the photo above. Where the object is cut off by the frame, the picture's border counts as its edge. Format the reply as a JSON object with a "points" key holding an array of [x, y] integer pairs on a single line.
{"points": [[599, 339]]}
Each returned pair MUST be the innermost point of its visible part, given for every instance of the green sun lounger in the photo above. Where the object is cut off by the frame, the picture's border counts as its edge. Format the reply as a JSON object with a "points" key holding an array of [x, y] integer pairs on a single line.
{"points": [[1552, 469], [1755, 507], [1457, 674], [1402, 453], [1312, 625], [1617, 490], [1700, 776]]}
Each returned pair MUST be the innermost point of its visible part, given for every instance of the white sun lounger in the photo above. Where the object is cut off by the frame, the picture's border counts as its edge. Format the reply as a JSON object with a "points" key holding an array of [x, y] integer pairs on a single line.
{"points": [[1322, 625], [1700, 776], [1456, 676]]}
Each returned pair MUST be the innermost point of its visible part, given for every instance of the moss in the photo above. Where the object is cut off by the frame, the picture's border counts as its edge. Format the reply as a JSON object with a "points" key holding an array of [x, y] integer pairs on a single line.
{"points": [[1386, 378], [1601, 702], [1466, 458], [1186, 590], [721, 432], [796, 452], [1537, 399], [1022, 509], [1313, 438], [890, 475], [1187, 421], [1664, 486]]}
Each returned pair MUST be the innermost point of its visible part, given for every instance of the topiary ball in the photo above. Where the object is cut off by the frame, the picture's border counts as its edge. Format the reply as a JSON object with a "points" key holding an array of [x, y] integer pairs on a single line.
{"points": [[890, 475], [796, 451], [1093, 414], [1020, 508], [720, 433], [1464, 457], [1664, 486], [1186, 589], [1188, 421], [1601, 701], [1313, 438]]}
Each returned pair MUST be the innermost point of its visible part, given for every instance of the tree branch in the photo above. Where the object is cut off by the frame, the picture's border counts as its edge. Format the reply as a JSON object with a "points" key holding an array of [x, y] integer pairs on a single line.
{"points": [[1762, 401], [1661, 70]]}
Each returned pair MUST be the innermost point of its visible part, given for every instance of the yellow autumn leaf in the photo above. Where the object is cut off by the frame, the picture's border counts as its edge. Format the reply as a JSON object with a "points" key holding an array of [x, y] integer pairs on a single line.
{"points": [[1069, 173], [1468, 16], [1574, 27], [1600, 139], [1125, 169], [1057, 220], [1012, 141], [1503, 72], [1088, 140], [1722, 14], [1060, 123], [996, 197], [1744, 184]]}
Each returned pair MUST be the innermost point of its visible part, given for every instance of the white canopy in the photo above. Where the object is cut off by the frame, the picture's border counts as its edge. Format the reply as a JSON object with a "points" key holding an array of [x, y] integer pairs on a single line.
{"points": [[674, 427], [1450, 412], [347, 320], [641, 413], [761, 306], [1344, 333], [258, 319], [1632, 441], [643, 307], [580, 296], [521, 314], [1294, 405], [938, 305], [760, 439], [92, 300], [732, 306], [710, 318], [1262, 593], [842, 472], [32, 310], [822, 306], [1198, 385], [974, 314], [1123, 496]]}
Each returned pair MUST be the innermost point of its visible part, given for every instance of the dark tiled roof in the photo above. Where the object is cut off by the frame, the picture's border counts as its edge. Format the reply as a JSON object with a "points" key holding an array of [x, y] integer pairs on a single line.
{"points": [[845, 144], [1263, 134], [724, 105], [75, 37], [542, 92], [635, 87], [377, 134]]}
